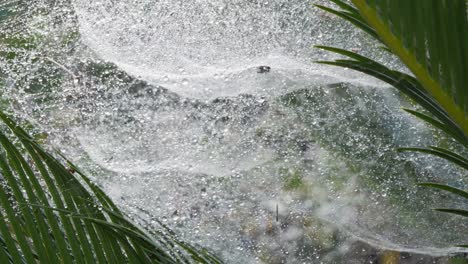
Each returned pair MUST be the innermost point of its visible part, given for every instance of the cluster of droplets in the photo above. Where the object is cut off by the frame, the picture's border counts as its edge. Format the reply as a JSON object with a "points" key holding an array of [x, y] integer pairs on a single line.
{"points": [[259, 166], [206, 49]]}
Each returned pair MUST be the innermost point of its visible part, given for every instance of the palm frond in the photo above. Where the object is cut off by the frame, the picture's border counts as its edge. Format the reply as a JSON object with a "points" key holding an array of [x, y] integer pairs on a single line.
{"points": [[442, 153], [456, 191], [52, 215], [460, 212], [454, 132], [351, 14], [430, 37], [404, 83], [411, 36]]}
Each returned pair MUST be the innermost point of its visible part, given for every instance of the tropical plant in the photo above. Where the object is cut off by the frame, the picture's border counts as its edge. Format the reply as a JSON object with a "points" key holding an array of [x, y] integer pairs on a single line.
{"points": [[431, 38], [50, 213], [53, 214]]}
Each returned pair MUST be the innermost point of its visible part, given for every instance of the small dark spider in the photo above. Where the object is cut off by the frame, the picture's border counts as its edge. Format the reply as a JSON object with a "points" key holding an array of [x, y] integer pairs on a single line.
{"points": [[263, 69]]}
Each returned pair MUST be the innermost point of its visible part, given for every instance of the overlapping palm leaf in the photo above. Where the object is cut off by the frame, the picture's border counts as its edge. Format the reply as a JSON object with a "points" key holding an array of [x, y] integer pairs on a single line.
{"points": [[53, 214], [431, 38]]}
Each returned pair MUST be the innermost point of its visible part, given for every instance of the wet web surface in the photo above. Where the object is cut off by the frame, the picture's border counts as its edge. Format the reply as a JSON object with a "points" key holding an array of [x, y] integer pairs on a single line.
{"points": [[172, 115]]}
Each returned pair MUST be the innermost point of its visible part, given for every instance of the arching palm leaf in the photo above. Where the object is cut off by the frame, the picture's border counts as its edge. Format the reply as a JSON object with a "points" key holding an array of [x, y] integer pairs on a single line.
{"points": [[431, 39], [51, 214]]}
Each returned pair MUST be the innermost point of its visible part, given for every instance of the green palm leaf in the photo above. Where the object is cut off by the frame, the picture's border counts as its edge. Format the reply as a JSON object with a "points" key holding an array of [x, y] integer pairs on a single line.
{"points": [[431, 38], [456, 191], [406, 84], [442, 153], [51, 215]]}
